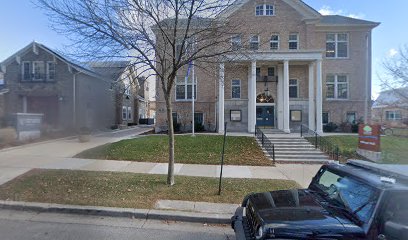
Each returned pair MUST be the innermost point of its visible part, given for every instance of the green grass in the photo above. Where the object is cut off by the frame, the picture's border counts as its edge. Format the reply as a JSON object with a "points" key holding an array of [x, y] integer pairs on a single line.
{"points": [[394, 149], [127, 189], [202, 149]]}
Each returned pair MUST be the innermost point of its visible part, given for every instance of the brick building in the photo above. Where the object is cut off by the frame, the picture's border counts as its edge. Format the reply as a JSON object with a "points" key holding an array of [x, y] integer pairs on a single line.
{"points": [[296, 67]]}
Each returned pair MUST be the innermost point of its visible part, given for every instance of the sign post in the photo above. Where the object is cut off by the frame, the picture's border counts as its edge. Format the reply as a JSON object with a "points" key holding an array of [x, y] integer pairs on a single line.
{"points": [[369, 142]]}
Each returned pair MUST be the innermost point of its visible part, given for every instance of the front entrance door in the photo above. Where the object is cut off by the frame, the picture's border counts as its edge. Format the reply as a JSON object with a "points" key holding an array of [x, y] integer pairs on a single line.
{"points": [[265, 116]]}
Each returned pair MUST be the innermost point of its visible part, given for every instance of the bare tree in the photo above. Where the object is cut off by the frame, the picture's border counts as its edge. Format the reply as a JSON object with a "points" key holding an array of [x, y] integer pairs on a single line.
{"points": [[160, 37], [396, 73]]}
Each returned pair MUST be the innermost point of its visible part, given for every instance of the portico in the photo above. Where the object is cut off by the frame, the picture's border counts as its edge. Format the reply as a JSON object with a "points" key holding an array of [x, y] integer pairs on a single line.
{"points": [[281, 103]]}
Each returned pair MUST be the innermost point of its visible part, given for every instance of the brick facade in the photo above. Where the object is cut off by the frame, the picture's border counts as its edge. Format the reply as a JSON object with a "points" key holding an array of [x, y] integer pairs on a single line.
{"points": [[290, 17]]}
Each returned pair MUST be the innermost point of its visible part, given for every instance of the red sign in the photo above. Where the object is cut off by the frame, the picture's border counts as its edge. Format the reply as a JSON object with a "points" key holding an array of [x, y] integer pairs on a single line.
{"points": [[369, 137]]}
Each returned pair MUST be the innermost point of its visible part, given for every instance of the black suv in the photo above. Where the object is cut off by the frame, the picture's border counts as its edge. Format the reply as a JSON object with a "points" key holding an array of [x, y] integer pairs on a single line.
{"points": [[358, 200]]}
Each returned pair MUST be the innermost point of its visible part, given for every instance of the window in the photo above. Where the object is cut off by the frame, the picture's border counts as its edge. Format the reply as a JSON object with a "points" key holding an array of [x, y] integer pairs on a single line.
{"points": [[271, 72], [295, 115], [2, 82], [293, 41], [254, 42], [393, 115], [236, 42], [50, 71], [325, 118], [337, 87], [26, 71], [337, 45], [264, 10], [351, 117], [236, 89], [174, 115], [259, 10], [293, 88], [184, 88], [129, 112], [124, 113], [258, 72], [198, 119], [275, 42], [38, 70]]}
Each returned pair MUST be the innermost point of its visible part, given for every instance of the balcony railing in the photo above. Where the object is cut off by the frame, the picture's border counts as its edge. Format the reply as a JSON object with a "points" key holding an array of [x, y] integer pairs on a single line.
{"points": [[37, 77]]}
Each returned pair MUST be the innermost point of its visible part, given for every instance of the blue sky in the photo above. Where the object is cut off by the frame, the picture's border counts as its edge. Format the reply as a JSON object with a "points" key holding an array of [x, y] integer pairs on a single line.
{"points": [[23, 23]]}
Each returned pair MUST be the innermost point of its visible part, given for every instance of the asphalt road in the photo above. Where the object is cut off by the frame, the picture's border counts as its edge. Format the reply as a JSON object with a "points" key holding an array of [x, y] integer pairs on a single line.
{"points": [[20, 225]]}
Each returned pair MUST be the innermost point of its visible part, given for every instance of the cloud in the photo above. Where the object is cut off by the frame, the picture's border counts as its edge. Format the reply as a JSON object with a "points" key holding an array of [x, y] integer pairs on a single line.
{"points": [[392, 52], [326, 10]]}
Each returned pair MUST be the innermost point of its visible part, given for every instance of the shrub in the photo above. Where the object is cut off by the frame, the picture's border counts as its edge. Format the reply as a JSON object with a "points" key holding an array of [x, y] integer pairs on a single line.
{"points": [[8, 135], [199, 127], [330, 127]]}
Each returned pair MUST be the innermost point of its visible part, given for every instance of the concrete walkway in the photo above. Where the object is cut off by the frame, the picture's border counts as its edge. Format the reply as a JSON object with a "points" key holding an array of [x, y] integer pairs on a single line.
{"points": [[58, 155]]}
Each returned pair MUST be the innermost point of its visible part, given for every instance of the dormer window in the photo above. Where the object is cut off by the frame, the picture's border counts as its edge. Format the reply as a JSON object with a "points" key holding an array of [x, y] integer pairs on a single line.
{"points": [[264, 10]]}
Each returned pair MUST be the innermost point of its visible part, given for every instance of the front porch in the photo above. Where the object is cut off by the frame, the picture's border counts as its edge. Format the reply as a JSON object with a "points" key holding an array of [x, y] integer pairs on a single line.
{"points": [[269, 97]]}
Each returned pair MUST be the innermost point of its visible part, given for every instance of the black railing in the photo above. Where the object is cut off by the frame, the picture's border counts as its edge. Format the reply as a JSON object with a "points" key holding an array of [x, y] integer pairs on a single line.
{"points": [[319, 142], [265, 143]]}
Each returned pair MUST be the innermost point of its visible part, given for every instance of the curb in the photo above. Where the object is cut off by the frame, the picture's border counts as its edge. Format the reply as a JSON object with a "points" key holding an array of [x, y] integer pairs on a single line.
{"points": [[148, 214]]}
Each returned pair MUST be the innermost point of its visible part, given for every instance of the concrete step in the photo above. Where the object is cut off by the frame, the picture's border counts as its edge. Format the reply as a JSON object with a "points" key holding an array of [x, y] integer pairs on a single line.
{"points": [[305, 160], [298, 153], [300, 157]]}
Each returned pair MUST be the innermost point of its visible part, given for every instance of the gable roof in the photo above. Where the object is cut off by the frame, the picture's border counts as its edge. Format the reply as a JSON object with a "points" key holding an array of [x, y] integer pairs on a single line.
{"points": [[305, 10], [111, 69], [394, 98], [337, 20], [72, 63]]}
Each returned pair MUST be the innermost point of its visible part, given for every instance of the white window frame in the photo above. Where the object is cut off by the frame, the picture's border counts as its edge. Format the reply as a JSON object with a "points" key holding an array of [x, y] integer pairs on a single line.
{"points": [[235, 85], [293, 41], [236, 42], [336, 42], [34, 72], [30, 71], [261, 10], [124, 113], [336, 84], [294, 85], [253, 42], [48, 71], [129, 113], [394, 114], [275, 42], [185, 83], [350, 114]]}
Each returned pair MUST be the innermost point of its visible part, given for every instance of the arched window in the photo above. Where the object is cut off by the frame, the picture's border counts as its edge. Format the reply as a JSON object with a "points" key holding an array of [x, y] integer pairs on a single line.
{"points": [[263, 98]]}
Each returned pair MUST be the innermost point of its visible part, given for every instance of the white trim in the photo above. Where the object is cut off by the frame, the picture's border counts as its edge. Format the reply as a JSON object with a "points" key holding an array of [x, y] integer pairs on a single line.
{"points": [[336, 83], [48, 71], [265, 104], [186, 99], [22, 71], [263, 13], [297, 88], [300, 55], [293, 41], [274, 41]]}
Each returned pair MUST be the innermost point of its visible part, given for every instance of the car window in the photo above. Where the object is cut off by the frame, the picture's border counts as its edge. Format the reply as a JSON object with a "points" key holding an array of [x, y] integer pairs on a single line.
{"points": [[396, 209]]}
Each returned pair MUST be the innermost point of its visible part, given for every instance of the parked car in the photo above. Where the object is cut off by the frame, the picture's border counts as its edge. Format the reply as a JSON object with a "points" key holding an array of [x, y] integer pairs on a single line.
{"points": [[358, 200]]}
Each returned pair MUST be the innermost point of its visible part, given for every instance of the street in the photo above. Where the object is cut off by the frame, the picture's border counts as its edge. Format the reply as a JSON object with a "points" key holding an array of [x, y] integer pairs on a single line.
{"points": [[21, 225]]}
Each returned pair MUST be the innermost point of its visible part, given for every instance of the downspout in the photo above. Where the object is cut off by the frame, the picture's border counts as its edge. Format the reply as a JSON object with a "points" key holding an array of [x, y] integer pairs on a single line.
{"points": [[367, 94]]}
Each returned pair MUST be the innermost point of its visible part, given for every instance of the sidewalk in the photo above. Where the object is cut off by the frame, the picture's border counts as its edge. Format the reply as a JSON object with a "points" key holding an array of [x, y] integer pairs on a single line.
{"points": [[58, 155]]}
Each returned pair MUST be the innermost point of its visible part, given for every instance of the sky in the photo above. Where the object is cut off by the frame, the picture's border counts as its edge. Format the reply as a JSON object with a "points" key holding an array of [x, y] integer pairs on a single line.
{"points": [[22, 23]]}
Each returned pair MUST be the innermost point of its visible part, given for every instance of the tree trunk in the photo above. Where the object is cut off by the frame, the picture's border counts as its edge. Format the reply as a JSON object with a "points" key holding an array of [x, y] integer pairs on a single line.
{"points": [[170, 174]]}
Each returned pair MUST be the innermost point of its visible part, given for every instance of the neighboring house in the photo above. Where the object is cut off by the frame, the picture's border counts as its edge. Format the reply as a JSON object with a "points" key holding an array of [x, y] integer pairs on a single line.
{"points": [[130, 90], [391, 108], [296, 67], [69, 94], [3, 90]]}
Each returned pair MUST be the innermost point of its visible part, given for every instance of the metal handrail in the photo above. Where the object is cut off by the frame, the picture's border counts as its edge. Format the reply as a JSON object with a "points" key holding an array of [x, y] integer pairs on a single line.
{"points": [[265, 142], [319, 142]]}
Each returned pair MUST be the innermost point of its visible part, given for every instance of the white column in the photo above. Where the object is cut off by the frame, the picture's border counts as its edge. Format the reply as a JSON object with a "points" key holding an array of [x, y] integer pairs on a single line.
{"points": [[280, 97], [286, 127], [252, 98], [312, 112], [221, 100], [319, 98]]}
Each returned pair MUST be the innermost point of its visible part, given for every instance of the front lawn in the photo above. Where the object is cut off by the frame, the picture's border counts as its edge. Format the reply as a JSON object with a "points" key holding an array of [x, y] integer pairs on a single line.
{"points": [[394, 149], [127, 189], [201, 149]]}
